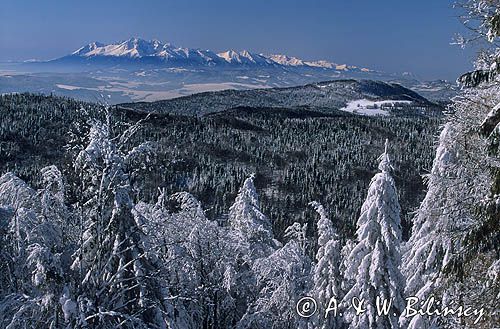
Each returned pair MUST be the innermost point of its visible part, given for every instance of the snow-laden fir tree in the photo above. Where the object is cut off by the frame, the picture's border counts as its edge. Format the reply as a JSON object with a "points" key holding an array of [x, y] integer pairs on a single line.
{"points": [[346, 283], [21, 201], [431, 243], [453, 251], [471, 274], [327, 277], [251, 226], [373, 264], [116, 268], [250, 238], [7, 285], [168, 225], [209, 254], [455, 229], [281, 279], [33, 237]]}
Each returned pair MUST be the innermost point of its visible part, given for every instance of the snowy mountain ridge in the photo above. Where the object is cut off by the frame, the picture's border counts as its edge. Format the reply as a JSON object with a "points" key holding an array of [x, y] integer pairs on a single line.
{"points": [[137, 48]]}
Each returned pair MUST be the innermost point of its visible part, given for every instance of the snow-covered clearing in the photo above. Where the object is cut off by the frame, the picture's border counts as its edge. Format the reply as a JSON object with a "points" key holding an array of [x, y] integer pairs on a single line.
{"points": [[368, 107]]}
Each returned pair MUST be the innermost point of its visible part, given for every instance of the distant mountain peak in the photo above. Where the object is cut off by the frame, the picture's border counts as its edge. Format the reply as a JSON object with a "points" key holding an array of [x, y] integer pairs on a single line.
{"points": [[229, 55], [294, 61], [132, 48], [245, 57], [286, 60], [88, 48]]}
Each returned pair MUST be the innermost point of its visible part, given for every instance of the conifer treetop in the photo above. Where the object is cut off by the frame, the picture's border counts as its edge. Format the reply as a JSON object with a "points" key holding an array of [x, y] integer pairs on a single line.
{"points": [[385, 162]]}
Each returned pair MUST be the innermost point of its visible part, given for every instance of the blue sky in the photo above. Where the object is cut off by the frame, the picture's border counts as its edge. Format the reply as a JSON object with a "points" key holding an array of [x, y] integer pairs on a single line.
{"points": [[388, 35]]}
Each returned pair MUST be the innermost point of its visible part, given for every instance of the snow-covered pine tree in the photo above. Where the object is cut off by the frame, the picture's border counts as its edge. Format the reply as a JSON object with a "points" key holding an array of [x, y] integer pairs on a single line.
{"points": [[431, 243], [453, 249], [281, 279], [327, 277], [34, 267], [373, 264], [250, 225], [250, 238], [118, 286]]}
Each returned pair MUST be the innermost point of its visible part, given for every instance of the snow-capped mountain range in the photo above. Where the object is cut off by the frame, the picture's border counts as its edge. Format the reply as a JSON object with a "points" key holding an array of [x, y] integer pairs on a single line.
{"points": [[147, 50], [142, 70]]}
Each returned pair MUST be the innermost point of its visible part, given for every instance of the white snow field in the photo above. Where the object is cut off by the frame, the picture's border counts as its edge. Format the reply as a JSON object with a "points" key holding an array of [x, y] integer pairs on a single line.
{"points": [[372, 108]]}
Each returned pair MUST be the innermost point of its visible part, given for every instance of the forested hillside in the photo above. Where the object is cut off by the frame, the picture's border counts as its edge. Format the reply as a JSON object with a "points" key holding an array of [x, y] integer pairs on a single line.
{"points": [[328, 96], [298, 155]]}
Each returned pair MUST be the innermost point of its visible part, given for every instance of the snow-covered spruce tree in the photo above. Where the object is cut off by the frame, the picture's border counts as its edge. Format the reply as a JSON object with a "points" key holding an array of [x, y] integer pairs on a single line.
{"points": [[373, 264], [168, 226], [346, 283], [53, 203], [454, 244], [326, 278], [281, 279], [116, 268], [250, 225], [209, 254], [431, 243], [21, 208], [474, 275], [35, 270], [250, 238], [455, 229], [7, 284]]}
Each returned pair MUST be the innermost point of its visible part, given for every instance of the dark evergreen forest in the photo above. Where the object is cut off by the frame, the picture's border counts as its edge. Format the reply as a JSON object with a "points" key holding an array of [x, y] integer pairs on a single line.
{"points": [[299, 155]]}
